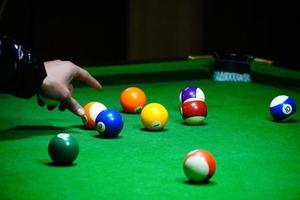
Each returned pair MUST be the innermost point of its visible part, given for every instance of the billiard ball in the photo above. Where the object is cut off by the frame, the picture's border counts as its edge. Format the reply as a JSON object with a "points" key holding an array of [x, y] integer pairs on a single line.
{"points": [[132, 100], [92, 109], [63, 149], [109, 123], [194, 112], [199, 165], [191, 92], [154, 116], [282, 108]]}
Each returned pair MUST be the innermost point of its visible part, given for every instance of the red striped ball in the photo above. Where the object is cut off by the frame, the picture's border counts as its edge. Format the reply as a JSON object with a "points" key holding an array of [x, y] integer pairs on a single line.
{"points": [[194, 111], [199, 165]]}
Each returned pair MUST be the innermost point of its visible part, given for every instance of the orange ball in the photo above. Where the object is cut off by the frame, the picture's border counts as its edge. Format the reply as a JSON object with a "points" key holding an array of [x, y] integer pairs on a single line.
{"points": [[132, 100], [92, 109]]}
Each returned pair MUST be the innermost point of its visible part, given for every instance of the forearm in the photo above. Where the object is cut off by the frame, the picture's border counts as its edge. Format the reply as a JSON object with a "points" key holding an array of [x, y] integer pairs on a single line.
{"points": [[22, 73]]}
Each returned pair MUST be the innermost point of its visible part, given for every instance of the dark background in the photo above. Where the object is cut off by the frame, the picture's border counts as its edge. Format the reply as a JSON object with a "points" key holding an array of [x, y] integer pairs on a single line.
{"points": [[93, 33]]}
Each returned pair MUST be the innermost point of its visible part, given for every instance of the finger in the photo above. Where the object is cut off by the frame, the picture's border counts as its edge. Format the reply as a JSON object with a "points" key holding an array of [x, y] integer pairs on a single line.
{"points": [[40, 101], [71, 88], [86, 78], [48, 101], [72, 105]]}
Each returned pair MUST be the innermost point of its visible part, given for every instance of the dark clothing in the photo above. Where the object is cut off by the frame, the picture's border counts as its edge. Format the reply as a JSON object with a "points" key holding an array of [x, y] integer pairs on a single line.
{"points": [[21, 73]]}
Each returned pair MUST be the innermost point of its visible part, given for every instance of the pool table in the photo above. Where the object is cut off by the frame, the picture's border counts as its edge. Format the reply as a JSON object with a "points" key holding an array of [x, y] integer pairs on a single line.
{"points": [[256, 157]]}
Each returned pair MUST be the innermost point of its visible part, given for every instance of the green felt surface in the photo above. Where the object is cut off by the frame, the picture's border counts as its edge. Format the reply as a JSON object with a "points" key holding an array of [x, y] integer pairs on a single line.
{"points": [[256, 157]]}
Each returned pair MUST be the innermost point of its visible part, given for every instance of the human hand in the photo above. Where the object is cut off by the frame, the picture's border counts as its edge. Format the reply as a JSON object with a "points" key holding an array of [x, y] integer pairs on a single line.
{"points": [[58, 85]]}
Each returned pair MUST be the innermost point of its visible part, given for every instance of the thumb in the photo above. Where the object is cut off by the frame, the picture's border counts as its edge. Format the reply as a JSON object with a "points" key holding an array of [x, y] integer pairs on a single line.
{"points": [[72, 105]]}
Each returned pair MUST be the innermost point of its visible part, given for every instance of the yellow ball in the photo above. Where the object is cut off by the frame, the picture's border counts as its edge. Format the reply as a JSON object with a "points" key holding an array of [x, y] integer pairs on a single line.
{"points": [[154, 116]]}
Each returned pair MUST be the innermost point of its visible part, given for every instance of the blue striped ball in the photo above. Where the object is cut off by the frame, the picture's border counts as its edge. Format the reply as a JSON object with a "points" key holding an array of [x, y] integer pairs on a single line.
{"points": [[282, 108]]}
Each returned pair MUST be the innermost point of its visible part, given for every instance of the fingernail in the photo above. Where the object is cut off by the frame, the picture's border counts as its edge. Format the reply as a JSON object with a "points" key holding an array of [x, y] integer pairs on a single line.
{"points": [[80, 111]]}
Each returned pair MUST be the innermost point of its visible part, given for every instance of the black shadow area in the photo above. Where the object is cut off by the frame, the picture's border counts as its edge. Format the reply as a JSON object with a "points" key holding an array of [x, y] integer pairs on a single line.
{"points": [[28, 131]]}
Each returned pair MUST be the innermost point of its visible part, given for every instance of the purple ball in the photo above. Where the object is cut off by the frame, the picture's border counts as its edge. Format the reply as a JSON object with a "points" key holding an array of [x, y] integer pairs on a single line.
{"points": [[191, 92]]}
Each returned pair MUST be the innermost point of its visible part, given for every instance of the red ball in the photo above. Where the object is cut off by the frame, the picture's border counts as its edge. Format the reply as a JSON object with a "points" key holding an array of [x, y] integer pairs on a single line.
{"points": [[194, 111]]}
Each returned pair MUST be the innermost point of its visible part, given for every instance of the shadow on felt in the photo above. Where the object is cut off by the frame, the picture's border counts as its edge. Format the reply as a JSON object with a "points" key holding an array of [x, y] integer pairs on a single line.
{"points": [[207, 183], [28, 131]]}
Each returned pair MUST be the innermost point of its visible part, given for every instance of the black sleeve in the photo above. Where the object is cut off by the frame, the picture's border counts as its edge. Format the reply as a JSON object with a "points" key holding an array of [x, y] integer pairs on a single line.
{"points": [[21, 73]]}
